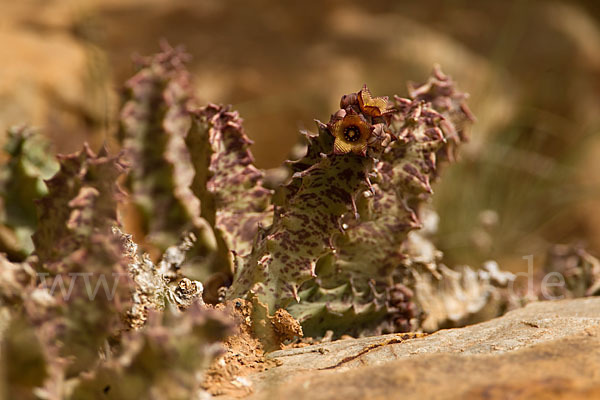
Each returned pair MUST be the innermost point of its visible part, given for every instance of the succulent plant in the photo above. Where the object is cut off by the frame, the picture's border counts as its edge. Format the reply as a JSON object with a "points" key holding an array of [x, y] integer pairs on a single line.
{"points": [[79, 307], [576, 266], [154, 123], [164, 360], [30, 162], [81, 202], [227, 183], [343, 245], [331, 245], [78, 254], [344, 252], [193, 168]]}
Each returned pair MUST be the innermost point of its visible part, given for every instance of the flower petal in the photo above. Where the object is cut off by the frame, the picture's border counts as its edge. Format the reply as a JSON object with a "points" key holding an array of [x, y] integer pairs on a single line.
{"points": [[352, 133], [373, 106], [341, 147]]}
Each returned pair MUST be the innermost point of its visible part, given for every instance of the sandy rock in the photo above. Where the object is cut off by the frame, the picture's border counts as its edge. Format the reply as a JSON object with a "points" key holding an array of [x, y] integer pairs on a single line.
{"points": [[544, 350]]}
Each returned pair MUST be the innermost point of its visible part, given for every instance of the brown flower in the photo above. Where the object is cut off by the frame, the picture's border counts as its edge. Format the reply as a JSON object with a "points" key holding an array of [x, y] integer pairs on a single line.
{"points": [[373, 106], [351, 134]]}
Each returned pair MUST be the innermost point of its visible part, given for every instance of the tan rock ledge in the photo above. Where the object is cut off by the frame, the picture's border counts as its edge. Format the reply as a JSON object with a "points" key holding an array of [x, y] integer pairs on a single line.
{"points": [[545, 350]]}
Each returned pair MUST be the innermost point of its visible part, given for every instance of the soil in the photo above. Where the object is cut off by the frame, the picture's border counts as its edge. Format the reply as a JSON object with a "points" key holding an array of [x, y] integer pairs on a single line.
{"points": [[244, 353]]}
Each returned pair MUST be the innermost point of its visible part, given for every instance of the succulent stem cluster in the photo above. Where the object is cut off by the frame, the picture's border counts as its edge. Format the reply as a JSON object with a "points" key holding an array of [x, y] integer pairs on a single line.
{"points": [[339, 254], [71, 314], [21, 181], [343, 245], [86, 316], [340, 244]]}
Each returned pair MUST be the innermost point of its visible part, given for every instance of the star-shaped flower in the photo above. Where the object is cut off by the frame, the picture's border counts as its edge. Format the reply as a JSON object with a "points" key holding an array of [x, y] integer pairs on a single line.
{"points": [[373, 106], [351, 134]]}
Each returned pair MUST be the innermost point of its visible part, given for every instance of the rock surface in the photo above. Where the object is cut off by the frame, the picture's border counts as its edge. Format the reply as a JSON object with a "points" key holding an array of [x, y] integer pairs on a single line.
{"points": [[544, 350]]}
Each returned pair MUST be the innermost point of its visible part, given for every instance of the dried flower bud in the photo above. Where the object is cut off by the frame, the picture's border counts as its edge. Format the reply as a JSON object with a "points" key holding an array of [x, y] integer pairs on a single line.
{"points": [[349, 100]]}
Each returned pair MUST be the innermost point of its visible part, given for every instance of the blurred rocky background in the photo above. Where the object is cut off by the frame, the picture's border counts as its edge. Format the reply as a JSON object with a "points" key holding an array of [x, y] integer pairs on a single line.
{"points": [[529, 178]]}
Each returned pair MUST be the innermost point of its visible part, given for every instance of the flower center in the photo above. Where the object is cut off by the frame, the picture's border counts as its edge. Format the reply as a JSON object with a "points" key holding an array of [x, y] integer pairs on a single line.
{"points": [[352, 133]]}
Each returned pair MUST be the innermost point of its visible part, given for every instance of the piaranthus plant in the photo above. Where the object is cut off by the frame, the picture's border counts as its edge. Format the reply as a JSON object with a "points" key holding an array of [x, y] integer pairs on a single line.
{"points": [[339, 254], [343, 244]]}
